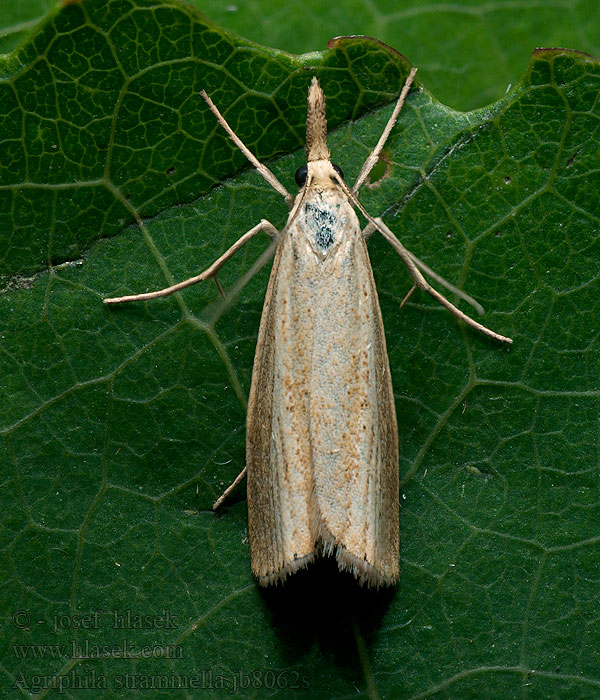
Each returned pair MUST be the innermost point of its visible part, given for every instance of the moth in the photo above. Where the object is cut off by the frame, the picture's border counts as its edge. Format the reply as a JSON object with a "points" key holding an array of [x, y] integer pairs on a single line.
{"points": [[322, 437]]}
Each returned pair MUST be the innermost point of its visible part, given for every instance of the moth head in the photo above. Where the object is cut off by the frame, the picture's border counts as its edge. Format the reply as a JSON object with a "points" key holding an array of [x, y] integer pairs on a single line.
{"points": [[318, 170], [302, 172]]}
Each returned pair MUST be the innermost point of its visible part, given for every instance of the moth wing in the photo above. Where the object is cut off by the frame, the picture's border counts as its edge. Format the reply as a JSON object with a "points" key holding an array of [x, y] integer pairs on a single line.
{"points": [[278, 455], [353, 425]]}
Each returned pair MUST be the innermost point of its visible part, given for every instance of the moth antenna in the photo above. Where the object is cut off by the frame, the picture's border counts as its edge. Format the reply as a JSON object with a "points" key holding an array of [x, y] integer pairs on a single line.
{"points": [[316, 124]]}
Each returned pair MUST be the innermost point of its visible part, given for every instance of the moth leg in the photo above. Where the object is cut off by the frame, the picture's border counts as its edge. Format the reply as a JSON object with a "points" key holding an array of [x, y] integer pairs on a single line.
{"points": [[262, 169], [368, 231], [373, 157], [211, 271], [217, 504], [408, 295], [421, 283]]}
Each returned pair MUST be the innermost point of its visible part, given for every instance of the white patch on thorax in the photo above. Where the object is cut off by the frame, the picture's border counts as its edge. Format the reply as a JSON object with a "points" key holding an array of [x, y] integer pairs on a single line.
{"points": [[324, 221]]}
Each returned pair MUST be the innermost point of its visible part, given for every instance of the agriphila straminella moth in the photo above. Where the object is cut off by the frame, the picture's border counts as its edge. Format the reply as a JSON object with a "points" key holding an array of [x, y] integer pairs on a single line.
{"points": [[322, 438]]}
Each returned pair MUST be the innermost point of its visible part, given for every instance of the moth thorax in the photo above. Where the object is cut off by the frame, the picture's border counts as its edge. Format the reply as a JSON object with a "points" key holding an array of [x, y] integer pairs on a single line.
{"points": [[316, 124]]}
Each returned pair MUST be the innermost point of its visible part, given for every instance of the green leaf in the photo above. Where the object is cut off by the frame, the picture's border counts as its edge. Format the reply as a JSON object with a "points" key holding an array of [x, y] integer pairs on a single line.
{"points": [[18, 19], [467, 51], [103, 121], [120, 426]]}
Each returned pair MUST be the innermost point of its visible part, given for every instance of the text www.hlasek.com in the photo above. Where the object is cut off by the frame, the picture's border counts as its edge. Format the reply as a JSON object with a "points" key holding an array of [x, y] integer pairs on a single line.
{"points": [[87, 650]]}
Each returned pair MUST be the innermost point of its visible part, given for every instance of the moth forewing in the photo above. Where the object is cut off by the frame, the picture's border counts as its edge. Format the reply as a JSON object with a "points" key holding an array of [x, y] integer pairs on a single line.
{"points": [[355, 438]]}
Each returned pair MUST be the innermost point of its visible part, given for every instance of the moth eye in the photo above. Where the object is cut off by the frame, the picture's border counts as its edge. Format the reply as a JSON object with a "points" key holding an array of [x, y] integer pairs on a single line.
{"points": [[301, 174], [338, 170]]}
